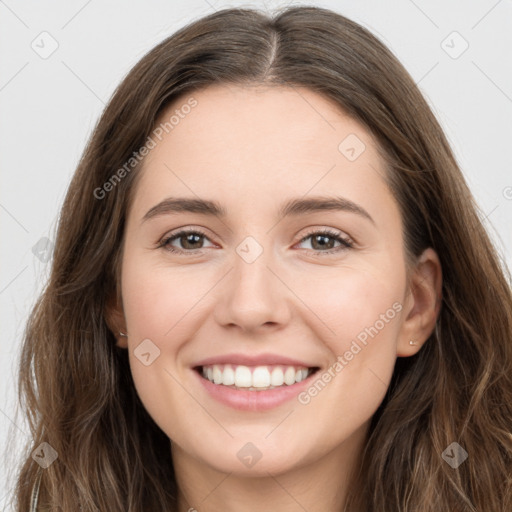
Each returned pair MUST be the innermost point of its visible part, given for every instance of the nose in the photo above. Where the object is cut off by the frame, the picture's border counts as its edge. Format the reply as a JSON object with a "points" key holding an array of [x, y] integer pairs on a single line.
{"points": [[254, 296]]}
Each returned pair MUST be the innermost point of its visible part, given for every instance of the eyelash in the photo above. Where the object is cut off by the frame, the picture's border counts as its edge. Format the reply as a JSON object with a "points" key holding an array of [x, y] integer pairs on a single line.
{"points": [[345, 242]]}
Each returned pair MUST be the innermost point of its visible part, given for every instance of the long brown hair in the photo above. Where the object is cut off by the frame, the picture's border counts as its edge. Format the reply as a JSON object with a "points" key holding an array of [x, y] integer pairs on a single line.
{"points": [[75, 385]]}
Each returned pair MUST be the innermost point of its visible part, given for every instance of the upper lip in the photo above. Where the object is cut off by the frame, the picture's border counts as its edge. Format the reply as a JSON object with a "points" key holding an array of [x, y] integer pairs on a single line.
{"points": [[255, 360]]}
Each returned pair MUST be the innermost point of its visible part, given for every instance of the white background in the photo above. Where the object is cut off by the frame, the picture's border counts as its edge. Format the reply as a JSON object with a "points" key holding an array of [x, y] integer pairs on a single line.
{"points": [[49, 107]]}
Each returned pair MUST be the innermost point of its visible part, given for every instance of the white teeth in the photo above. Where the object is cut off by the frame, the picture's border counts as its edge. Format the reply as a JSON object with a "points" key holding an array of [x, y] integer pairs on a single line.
{"points": [[217, 374], [254, 378], [261, 377], [277, 378], [289, 375], [243, 377], [228, 376]]}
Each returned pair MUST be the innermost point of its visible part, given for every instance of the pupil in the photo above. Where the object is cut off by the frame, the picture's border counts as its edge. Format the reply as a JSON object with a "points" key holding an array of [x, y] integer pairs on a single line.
{"points": [[190, 239], [318, 239], [323, 237]]}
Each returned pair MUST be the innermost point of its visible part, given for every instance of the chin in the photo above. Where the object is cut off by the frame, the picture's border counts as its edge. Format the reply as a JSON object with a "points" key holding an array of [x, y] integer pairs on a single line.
{"points": [[251, 458]]}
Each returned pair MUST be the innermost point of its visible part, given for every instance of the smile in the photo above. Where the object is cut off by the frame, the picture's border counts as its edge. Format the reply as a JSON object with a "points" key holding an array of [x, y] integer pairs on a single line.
{"points": [[255, 378], [253, 388]]}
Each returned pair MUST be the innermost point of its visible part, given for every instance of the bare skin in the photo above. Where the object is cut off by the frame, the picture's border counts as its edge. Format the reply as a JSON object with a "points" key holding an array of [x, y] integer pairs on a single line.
{"points": [[251, 149]]}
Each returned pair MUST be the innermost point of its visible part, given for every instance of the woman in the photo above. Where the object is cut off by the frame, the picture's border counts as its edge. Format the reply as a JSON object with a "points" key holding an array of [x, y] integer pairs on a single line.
{"points": [[271, 289]]}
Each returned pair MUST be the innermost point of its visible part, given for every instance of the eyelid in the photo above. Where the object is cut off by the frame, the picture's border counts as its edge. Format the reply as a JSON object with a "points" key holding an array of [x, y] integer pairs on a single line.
{"points": [[328, 231], [345, 241], [178, 233]]}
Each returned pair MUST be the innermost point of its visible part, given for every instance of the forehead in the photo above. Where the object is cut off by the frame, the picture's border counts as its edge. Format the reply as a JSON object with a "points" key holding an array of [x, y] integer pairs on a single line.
{"points": [[260, 142], [261, 118]]}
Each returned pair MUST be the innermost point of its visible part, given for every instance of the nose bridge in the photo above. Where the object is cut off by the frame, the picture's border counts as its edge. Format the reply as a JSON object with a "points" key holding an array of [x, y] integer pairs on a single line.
{"points": [[253, 296]]}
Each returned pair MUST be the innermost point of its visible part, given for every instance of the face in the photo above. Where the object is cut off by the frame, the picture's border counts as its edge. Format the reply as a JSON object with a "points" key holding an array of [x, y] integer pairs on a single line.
{"points": [[272, 280]]}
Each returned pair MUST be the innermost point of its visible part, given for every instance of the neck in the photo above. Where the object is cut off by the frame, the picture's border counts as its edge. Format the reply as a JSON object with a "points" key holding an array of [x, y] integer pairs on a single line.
{"points": [[318, 485]]}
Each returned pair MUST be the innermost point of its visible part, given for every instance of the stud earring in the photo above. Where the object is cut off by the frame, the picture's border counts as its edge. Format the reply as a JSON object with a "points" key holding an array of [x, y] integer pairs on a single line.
{"points": [[412, 342], [123, 334]]}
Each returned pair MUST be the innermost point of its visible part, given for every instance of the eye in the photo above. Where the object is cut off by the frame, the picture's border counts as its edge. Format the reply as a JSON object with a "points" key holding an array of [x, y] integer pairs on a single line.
{"points": [[325, 239], [190, 240], [322, 241]]}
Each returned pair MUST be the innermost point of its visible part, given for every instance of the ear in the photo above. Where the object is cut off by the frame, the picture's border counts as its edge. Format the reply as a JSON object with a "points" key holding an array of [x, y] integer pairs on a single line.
{"points": [[114, 317], [422, 303]]}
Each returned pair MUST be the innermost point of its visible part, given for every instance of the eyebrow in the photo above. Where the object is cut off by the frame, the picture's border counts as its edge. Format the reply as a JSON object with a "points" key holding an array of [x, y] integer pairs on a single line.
{"points": [[293, 207]]}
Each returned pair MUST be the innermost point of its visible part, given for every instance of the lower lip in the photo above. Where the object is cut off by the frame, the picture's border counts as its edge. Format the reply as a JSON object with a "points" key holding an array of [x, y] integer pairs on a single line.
{"points": [[253, 400]]}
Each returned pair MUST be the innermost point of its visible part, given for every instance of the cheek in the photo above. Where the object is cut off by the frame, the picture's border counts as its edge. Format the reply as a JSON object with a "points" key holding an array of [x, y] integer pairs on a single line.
{"points": [[349, 302], [359, 316], [159, 384], [158, 306], [158, 300]]}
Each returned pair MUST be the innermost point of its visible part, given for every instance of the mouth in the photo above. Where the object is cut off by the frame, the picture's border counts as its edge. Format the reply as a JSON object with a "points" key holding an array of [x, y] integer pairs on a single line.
{"points": [[255, 378]]}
